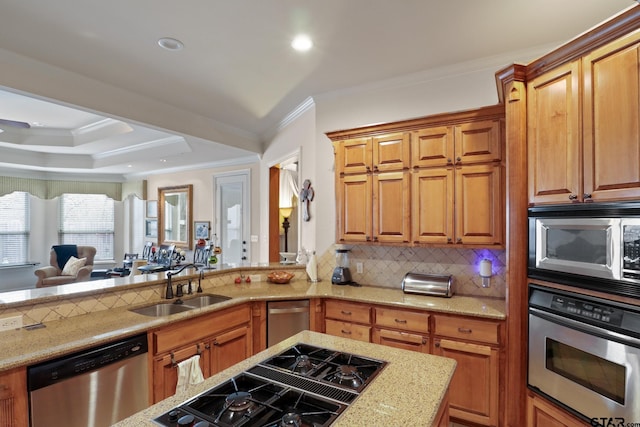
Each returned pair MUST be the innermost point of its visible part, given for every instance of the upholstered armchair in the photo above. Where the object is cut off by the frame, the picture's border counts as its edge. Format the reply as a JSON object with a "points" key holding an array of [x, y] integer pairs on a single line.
{"points": [[75, 271]]}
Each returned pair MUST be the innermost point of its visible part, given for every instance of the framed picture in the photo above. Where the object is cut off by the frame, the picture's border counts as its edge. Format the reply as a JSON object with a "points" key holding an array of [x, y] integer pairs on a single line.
{"points": [[201, 229], [152, 208], [151, 227]]}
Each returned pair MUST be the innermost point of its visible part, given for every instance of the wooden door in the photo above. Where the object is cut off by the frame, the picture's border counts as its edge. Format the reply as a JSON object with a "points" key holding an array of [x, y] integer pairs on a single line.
{"points": [[354, 208], [432, 205], [432, 147], [612, 121], [553, 132], [354, 156], [401, 339], [230, 348], [391, 207], [473, 393], [478, 142], [165, 369], [478, 205], [391, 152]]}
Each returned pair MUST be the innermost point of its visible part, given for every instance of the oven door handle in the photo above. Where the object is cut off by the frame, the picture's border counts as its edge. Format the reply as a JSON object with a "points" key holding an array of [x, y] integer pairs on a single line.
{"points": [[585, 327]]}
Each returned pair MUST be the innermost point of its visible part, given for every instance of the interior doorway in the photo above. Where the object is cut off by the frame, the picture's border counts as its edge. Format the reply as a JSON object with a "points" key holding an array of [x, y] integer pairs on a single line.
{"points": [[232, 224], [284, 185]]}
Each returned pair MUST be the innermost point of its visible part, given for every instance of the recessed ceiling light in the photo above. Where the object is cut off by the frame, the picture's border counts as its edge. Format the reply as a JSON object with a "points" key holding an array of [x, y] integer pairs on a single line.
{"points": [[129, 166], [163, 160], [302, 43], [170, 43]]}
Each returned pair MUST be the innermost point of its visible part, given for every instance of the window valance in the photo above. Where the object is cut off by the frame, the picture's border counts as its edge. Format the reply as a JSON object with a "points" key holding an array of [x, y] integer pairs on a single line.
{"points": [[49, 189]]}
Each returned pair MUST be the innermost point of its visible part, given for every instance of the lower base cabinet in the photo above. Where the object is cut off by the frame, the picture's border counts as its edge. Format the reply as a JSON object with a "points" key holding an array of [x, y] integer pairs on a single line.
{"points": [[222, 339], [542, 413], [14, 409]]}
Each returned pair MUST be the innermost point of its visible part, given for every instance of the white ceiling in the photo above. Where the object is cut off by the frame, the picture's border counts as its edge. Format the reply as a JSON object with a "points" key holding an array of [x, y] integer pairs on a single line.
{"points": [[237, 67]]}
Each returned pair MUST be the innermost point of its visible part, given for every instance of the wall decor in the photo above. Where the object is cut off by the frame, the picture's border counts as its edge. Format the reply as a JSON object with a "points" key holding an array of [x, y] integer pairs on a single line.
{"points": [[151, 228], [201, 229], [306, 196], [152, 208]]}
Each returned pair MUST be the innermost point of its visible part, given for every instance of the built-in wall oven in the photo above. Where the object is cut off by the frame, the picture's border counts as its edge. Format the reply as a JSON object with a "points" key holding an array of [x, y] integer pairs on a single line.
{"points": [[584, 354]]}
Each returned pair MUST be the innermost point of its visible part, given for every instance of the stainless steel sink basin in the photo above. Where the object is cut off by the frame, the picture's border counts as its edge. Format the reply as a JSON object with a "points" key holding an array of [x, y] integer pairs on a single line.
{"points": [[162, 309], [205, 300]]}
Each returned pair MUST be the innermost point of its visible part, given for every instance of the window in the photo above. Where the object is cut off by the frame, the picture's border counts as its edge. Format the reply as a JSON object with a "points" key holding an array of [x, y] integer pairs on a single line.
{"points": [[14, 228], [88, 220]]}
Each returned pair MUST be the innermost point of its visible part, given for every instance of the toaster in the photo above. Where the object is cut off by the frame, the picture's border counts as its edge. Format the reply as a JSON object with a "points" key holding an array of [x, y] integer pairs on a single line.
{"points": [[437, 285]]}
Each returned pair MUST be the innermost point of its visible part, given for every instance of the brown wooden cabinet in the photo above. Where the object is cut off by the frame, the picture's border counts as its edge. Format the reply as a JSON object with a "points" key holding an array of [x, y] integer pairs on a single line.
{"points": [[584, 127], [475, 345], [221, 338], [14, 409], [541, 413], [372, 189], [405, 329], [433, 180], [348, 320]]}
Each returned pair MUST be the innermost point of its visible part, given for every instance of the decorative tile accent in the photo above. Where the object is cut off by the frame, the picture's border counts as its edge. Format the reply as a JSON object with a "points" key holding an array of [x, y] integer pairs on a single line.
{"points": [[386, 266]]}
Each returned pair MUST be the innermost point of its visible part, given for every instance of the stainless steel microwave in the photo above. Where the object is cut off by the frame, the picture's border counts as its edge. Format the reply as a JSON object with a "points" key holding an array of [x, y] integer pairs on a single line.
{"points": [[593, 246]]}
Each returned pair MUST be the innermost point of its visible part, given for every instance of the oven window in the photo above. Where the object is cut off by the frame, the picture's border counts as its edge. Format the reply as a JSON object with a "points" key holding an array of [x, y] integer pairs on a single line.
{"points": [[588, 246], [595, 373]]}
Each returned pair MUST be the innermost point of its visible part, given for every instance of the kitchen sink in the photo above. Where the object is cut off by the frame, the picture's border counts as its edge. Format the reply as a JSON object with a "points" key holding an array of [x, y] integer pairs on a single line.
{"points": [[205, 300], [162, 309]]}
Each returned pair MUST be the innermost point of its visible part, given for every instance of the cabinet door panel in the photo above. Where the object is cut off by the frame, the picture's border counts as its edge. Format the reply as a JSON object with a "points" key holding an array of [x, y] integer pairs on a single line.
{"points": [[612, 121], [165, 370], [553, 128], [230, 348], [14, 408], [354, 223], [432, 211], [402, 319], [432, 147], [347, 311], [403, 340], [391, 207], [479, 212], [391, 152], [473, 393], [354, 156], [478, 142]]}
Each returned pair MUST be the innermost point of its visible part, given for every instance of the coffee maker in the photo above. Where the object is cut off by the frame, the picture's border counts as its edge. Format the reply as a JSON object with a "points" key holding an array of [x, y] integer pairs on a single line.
{"points": [[341, 274]]}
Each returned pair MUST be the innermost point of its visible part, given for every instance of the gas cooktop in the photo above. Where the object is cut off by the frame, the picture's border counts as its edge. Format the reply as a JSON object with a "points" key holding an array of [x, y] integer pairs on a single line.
{"points": [[303, 386]]}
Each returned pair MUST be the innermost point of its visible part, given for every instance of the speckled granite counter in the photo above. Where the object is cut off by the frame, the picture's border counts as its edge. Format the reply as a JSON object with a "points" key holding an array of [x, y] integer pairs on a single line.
{"points": [[24, 347], [400, 395]]}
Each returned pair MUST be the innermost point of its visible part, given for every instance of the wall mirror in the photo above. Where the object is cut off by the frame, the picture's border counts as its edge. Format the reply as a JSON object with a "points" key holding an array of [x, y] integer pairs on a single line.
{"points": [[175, 215]]}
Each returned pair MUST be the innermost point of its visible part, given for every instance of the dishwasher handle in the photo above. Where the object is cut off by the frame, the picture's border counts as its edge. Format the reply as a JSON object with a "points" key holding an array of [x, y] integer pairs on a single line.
{"points": [[288, 310]]}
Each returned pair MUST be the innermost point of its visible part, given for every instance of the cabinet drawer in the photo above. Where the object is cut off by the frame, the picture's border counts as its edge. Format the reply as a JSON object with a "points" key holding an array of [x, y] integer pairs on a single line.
{"points": [[192, 330], [347, 311], [400, 319], [467, 329], [348, 330]]}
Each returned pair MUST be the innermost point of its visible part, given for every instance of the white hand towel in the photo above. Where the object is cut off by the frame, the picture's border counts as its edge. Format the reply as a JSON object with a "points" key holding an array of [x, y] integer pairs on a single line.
{"points": [[189, 373]]}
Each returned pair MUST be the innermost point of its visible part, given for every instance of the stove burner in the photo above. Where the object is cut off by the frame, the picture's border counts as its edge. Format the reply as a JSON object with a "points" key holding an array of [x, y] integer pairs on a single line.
{"points": [[347, 375], [291, 419], [303, 364], [238, 401]]}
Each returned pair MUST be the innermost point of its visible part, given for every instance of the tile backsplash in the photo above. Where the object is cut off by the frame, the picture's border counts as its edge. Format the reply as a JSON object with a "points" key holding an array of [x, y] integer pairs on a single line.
{"points": [[386, 266]]}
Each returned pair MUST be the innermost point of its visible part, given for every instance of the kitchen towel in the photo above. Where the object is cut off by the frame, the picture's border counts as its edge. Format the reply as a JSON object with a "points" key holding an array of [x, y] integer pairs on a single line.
{"points": [[189, 373]]}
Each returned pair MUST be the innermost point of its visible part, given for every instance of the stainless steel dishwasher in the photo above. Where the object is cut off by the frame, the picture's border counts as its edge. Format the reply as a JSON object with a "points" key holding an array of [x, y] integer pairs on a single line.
{"points": [[93, 388], [286, 318]]}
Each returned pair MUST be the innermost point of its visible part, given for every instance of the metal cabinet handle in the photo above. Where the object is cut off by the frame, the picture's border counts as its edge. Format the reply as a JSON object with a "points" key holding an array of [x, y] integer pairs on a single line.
{"points": [[345, 332], [216, 343], [400, 320], [465, 330], [346, 313], [573, 197], [448, 239], [586, 196]]}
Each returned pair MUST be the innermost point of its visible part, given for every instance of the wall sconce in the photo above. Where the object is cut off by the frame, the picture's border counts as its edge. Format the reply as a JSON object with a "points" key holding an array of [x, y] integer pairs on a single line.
{"points": [[486, 272], [286, 213]]}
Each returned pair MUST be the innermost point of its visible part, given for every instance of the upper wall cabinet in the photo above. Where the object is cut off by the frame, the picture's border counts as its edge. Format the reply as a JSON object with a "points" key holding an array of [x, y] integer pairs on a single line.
{"points": [[437, 180], [584, 127]]}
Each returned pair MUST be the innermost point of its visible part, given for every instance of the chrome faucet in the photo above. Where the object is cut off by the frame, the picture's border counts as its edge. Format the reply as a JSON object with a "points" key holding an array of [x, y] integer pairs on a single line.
{"points": [[169, 291]]}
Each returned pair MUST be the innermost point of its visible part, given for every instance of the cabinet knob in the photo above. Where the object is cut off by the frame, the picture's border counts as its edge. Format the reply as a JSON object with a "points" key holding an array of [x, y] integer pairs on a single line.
{"points": [[375, 239], [586, 196], [368, 239], [449, 161], [375, 168], [573, 197], [368, 168], [216, 343], [437, 344], [458, 159], [448, 239], [459, 240]]}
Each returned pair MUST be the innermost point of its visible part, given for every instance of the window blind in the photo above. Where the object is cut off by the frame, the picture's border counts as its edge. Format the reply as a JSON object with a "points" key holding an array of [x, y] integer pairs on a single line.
{"points": [[88, 220], [14, 228]]}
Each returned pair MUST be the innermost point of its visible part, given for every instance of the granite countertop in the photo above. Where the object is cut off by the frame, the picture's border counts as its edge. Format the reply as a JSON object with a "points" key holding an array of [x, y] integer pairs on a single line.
{"points": [[25, 347], [399, 395]]}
